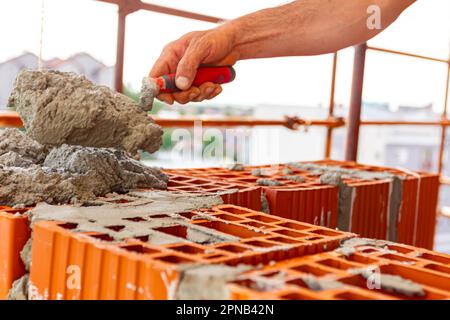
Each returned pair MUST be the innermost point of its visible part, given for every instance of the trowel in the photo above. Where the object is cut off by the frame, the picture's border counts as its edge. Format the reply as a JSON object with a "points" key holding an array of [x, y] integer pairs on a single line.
{"points": [[151, 87]]}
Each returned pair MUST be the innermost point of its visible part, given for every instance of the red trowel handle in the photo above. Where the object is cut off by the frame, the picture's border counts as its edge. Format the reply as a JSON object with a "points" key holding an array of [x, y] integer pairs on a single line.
{"points": [[218, 75]]}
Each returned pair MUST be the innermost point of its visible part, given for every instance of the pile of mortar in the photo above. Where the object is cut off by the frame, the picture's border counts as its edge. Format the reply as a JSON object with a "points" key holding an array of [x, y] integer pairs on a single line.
{"points": [[78, 143]]}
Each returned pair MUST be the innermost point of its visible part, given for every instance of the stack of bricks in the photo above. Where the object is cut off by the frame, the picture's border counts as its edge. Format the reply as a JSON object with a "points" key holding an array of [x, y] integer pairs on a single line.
{"points": [[283, 259], [134, 269], [300, 230], [374, 202], [370, 272]]}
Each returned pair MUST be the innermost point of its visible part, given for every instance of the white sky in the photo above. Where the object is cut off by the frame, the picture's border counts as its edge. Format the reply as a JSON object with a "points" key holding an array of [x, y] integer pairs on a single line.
{"points": [[85, 25]]}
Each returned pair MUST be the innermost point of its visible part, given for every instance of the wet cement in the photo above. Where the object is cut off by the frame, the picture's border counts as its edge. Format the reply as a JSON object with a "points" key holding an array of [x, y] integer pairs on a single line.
{"points": [[207, 282], [30, 174], [145, 214], [65, 108]]}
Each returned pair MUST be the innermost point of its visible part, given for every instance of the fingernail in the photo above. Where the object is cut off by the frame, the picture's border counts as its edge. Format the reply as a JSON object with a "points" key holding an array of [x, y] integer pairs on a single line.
{"points": [[182, 83], [192, 96], [209, 90]]}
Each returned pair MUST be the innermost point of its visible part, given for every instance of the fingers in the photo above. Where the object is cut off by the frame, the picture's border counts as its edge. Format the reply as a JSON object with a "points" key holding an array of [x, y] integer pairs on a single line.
{"points": [[184, 97], [166, 97], [206, 91], [189, 63]]}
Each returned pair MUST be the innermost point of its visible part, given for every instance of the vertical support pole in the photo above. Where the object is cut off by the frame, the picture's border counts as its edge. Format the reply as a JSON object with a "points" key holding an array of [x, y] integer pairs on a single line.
{"points": [[120, 53], [354, 114], [444, 128], [329, 139]]}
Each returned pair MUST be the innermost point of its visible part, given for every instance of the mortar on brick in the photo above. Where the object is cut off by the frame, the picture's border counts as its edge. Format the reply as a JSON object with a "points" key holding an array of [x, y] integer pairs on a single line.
{"points": [[334, 176], [268, 182], [391, 283], [207, 282], [323, 283], [348, 247], [145, 204], [346, 197]]}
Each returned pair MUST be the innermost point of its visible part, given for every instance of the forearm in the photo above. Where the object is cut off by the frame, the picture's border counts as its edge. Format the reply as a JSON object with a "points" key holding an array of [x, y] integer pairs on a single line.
{"points": [[309, 27]]}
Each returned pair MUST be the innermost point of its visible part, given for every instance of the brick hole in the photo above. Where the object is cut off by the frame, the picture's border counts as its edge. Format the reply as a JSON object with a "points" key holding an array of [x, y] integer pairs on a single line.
{"points": [[214, 256], [314, 238], [295, 226], [234, 210], [227, 217], [272, 274], [232, 248], [143, 238], [263, 218], [360, 259], [257, 225], [134, 219], [172, 183], [292, 234], [439, 268], [120, 201], [397, 258], [369, 250], [115, 228], [325, 233], [68, 225], [284, 240], [435, 258], [231, 229], [298, 282], [139, 249], [399, 249], [337, 264], [177, 231], [259, 244], [297, 296], [16, 211], [188, 215], [188, 249], [178, 178], [174, 259], [159, 216], [104, 237], [310, 270]]}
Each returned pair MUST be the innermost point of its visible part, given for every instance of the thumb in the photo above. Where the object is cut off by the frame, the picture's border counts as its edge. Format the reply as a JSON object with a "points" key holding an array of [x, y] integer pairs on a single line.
{"points": [[188, 65]]}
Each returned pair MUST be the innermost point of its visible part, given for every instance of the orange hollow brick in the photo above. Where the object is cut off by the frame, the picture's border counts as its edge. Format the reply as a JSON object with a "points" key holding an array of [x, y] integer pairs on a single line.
{"points": [[14, 233], [134, 269], [334, 276], [246, 196], [416, 218], [304, 199]]}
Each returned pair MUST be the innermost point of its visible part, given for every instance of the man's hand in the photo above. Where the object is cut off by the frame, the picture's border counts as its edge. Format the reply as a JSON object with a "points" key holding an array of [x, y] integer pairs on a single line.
{"points": [[299, 28], [213, 47]]}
